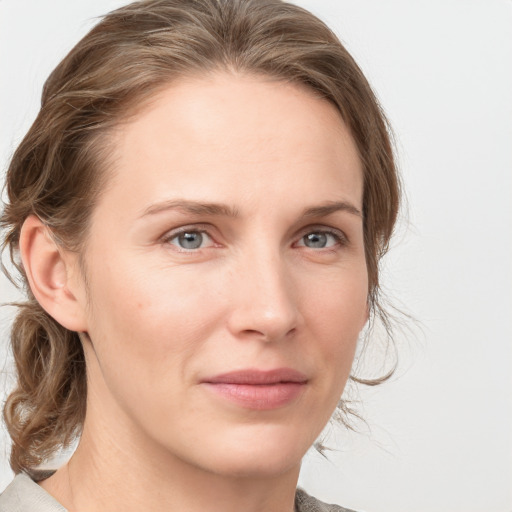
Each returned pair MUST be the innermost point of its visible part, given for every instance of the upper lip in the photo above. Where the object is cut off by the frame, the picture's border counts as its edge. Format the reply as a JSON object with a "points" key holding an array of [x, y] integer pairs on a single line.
{"points": [[254, 376]]}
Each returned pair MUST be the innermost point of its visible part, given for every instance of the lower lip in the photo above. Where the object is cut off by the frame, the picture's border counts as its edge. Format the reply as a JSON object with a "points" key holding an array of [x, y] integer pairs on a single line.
{"points": [[259, 396]]}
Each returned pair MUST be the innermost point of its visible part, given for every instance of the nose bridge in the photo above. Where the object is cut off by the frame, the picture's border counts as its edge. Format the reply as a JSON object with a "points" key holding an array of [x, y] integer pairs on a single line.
{"points": [[266, 303]]}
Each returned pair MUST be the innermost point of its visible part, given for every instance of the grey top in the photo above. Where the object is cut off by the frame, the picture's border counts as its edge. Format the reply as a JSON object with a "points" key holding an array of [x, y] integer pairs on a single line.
{"points": [[25, 495]]}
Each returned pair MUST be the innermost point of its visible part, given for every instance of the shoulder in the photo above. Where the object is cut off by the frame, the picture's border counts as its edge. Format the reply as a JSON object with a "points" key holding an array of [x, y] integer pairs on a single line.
{"points": [[306, 503], [24, 495]]}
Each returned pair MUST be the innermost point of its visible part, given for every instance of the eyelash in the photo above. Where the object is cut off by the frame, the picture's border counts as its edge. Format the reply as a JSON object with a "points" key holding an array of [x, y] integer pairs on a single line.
{"points": [[170, 236], [339, 237]]}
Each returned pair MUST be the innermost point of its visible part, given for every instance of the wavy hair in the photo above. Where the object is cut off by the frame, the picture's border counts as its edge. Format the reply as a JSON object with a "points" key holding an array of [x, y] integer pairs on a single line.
{"points": [[61, 166]]}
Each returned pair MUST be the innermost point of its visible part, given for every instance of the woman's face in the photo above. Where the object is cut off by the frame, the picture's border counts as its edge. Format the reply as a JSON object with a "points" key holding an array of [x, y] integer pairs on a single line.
{"points": [[226, 275]]}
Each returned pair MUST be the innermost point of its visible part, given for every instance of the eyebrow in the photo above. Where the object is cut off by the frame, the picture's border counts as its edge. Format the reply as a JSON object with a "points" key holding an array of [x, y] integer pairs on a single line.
{"points": [[331, 207], [219, 209], [192, 208]]}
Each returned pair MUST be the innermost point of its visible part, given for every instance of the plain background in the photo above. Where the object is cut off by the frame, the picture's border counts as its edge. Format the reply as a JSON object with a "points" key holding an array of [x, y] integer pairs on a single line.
{"points": [[439, 435]]}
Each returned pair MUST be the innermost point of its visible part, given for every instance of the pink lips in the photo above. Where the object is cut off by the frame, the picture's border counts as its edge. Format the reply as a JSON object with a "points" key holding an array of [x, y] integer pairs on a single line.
{"points": [[257, 389]]}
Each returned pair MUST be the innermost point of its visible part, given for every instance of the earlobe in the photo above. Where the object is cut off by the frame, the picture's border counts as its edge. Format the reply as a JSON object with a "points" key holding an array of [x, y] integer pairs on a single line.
{"points": [[49, 269]]}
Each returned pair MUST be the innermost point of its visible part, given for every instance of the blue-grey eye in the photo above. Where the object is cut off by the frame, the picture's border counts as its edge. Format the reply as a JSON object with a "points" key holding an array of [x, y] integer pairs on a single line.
{"points": [[318, 240], [315, 240], [189, 240]]}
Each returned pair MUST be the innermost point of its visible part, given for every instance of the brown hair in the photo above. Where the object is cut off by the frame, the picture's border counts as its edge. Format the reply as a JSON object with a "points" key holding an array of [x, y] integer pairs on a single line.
{"points": [[55, 172]]}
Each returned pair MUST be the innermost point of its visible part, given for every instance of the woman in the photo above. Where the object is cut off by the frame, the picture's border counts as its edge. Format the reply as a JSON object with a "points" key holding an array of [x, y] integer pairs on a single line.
{"points": [[199, 208]]}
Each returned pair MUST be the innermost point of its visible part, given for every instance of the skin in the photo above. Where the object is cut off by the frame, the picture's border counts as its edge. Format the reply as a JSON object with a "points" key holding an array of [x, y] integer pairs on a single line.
{"points": [[160, 319]]}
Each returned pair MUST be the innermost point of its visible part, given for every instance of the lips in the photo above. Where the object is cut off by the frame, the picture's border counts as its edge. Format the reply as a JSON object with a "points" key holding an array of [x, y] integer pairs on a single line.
{"points": [[257, 389]]}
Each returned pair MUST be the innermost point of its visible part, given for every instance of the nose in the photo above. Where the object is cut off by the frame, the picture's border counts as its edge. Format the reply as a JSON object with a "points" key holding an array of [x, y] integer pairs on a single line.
{"points": [[264, 299]]}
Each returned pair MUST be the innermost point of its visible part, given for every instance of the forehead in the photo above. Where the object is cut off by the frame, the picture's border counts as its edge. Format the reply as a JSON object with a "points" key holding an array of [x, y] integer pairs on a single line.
{"points": [[235, 136]]}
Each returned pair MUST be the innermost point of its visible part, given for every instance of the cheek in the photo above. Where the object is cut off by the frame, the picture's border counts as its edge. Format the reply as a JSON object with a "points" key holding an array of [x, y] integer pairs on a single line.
{"points": [[339, 304], [128, 293], [336, 314], [129, 320], [146, 334], [150, 321]]}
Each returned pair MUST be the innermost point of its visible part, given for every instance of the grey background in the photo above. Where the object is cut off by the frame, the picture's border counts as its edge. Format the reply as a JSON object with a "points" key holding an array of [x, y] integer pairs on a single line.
{"points": [[439, 436]]}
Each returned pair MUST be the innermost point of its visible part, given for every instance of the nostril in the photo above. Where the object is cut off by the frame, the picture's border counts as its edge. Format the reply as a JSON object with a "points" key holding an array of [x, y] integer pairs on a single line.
{"points": [[269, 336]]}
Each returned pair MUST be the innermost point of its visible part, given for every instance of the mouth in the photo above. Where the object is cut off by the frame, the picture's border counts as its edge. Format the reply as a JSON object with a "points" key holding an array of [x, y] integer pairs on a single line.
{"points": [[258, 389]]}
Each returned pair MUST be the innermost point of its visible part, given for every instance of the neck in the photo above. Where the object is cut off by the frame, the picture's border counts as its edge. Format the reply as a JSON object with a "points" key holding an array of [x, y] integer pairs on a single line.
{"points": [[107, 473]]}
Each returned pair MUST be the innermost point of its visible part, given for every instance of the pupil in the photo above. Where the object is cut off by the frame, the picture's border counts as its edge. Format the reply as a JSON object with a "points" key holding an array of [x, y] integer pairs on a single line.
{"points": [[191, 240], [316, 240]]}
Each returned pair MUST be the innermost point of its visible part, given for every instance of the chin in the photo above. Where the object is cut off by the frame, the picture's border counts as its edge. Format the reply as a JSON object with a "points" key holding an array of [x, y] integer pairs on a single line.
{"points": [[256, 465], [259, 452]]}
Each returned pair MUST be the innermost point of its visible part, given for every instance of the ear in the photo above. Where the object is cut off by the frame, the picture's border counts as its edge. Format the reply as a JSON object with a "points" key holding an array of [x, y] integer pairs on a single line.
{"points": [[53, 275]]}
